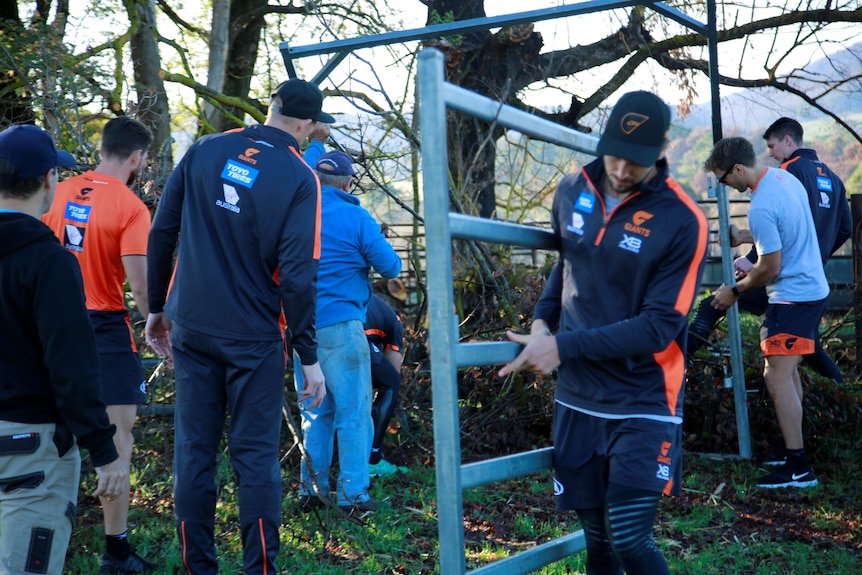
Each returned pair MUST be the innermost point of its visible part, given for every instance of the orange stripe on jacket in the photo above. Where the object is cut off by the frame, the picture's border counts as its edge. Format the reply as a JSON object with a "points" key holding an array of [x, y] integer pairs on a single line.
{"points": [[317, 216], [672, 363], [784, 165], [686, 295]]}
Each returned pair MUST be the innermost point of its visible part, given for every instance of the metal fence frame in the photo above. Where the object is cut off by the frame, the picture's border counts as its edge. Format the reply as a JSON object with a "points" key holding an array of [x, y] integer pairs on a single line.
{"points": [[447, 353]]}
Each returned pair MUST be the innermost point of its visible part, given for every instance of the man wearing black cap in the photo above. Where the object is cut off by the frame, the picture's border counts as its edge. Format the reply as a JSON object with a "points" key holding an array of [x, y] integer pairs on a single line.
{"points": [[50, 398], [247, 209], [351, 244], [632, 251]]}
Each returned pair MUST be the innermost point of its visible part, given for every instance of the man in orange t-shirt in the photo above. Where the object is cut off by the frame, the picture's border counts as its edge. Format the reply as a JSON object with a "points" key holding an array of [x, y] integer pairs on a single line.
{"points": [[105, 225]]}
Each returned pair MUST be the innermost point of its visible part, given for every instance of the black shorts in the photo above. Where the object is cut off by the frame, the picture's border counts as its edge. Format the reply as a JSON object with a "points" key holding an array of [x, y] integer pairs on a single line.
{"points": [[113, 331], [123, 380], [791, 329], [591, 452]]}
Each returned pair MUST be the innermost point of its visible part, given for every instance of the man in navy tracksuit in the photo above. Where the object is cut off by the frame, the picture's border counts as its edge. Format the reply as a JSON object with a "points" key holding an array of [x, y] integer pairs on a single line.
{"points": [[827, 199], [248, 211], [826, 193], [631, 256]]}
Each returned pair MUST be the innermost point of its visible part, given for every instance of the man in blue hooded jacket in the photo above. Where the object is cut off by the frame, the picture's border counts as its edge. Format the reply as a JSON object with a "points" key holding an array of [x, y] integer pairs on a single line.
{"points": [[351, 244]]}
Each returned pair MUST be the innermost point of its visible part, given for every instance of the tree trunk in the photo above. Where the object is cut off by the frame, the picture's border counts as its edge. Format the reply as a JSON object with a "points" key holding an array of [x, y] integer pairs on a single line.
{"points": [[218, 45], [152, 98], [242, 55], [486, 64]]}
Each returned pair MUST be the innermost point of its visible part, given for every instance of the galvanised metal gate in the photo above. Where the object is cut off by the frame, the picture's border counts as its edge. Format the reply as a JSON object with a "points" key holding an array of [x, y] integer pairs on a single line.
{"points": [[447, 354]]}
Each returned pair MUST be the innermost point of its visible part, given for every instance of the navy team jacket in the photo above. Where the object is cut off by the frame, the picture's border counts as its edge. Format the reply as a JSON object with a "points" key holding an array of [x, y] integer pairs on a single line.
{"points": [[827, 198], [621, 292], [247, 209]]}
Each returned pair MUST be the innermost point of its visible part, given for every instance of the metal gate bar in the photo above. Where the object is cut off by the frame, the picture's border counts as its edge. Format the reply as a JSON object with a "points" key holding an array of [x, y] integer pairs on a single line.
{"points": [[447, 354]]}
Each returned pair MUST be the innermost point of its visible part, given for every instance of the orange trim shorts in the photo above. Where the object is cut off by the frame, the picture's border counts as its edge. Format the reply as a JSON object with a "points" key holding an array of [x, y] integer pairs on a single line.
{"points": [[592, 452], [792, 328]]}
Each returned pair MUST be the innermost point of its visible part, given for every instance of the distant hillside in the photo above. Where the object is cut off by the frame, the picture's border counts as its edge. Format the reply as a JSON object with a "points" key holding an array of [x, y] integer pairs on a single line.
{"points": [[748, 113], [737, 109], [690, 147]]}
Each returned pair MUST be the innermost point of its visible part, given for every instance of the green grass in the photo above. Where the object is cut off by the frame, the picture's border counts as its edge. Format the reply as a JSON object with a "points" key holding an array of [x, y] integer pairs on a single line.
{"points": [[720, 524]]}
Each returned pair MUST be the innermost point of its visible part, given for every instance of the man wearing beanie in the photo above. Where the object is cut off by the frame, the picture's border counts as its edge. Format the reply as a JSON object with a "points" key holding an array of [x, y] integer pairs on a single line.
{"points": [[50, 396], [248, 211], [351, 244], [612, 321]]}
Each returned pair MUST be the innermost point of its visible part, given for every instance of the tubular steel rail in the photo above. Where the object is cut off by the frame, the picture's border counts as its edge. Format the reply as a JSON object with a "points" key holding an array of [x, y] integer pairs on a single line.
{"points": [[447, 353]]}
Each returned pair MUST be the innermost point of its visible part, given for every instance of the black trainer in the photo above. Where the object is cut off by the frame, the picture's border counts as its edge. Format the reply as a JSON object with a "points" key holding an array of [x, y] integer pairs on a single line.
{"points": [[776, 455], [134, 563], [785, 477]]}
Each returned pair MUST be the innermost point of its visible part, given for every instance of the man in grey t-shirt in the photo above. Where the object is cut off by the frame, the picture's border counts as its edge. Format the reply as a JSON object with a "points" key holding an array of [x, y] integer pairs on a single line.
{"points": [[789, 266]]}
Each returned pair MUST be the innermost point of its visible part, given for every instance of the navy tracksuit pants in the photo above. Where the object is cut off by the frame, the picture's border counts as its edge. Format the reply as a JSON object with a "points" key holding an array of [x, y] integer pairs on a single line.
{"points": [[245, 379]]}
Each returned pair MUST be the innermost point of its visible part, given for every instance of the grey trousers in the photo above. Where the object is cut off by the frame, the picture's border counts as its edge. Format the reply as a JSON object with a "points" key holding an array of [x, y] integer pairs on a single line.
{"points": [[38, 497]]}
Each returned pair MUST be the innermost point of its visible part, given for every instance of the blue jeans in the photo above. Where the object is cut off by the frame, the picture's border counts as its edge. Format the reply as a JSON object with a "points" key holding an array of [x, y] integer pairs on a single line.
{"points": [[345, 413]]}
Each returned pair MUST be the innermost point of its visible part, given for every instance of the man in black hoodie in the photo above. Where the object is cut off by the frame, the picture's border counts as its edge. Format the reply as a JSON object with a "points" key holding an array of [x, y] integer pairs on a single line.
{"points": [[49, 370]]}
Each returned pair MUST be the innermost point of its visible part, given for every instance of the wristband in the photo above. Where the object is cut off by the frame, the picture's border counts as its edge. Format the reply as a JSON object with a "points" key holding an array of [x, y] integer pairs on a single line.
{"points": [[735, 290]]}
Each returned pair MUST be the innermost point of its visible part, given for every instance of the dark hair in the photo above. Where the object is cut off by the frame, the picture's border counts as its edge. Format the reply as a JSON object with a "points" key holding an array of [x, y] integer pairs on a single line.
{"points": [[123, 135], [19, 189], [785, 127], [728, 152]]}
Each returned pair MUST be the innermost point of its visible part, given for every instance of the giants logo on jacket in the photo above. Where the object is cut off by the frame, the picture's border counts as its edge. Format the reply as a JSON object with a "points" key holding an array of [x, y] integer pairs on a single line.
{"points": [[82, 195], [629, 241], [247, 156], [635, 226]]}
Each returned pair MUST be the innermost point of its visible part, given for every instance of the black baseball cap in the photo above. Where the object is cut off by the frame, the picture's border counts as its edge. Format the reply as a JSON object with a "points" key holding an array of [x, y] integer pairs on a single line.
{"points": [[335, 163], [31, 152], [301, 99], [637, 128]]}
